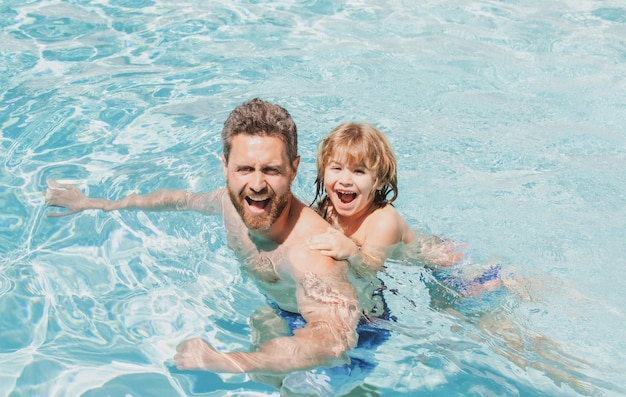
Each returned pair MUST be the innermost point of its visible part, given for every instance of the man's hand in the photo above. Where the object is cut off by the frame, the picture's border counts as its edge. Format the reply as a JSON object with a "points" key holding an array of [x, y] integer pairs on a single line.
{"points": [[335, 244], [199, 354], [64, 196]]}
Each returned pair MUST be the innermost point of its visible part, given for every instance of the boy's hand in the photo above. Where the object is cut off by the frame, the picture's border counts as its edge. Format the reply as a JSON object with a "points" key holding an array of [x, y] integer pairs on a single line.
{"points": [[335, 244]]}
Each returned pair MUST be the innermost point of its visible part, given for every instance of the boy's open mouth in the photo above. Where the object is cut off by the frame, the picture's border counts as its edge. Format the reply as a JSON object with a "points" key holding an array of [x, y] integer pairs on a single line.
{"points": [[346, 197]]}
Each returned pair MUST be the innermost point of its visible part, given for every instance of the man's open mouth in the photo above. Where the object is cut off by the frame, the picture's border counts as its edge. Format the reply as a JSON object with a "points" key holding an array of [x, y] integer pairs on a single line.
{"points": [[346, 197], [257, 204]]}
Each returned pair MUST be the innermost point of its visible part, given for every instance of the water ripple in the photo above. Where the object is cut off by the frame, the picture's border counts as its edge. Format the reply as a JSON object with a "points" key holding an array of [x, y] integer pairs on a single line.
{"points": [[611, 14], [507, 119], [6, 284], [56, 29]]}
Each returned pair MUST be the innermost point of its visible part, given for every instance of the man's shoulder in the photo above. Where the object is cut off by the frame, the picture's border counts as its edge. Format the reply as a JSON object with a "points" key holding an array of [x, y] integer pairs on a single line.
{"points": [[310, 221]]}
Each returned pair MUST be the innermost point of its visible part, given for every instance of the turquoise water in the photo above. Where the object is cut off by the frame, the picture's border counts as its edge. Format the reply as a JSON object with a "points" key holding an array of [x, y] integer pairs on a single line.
{"points": [[507, 119]]}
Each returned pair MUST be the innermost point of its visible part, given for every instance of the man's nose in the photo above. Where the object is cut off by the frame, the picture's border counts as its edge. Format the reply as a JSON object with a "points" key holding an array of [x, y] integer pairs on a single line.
{"points": [[258, 183]]}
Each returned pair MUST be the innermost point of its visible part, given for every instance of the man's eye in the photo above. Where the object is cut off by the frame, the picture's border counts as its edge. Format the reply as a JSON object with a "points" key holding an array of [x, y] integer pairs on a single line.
{"points": [[272, 171]]}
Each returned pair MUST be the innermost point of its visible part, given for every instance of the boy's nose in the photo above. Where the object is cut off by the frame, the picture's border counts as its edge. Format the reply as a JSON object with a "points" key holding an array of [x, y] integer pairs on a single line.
{"points": [[345, 178]]}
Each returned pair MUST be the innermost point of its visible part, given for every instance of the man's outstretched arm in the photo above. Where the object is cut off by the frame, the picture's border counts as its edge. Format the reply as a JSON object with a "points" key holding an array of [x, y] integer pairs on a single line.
{"points": [[328, 303], [70, 197]]}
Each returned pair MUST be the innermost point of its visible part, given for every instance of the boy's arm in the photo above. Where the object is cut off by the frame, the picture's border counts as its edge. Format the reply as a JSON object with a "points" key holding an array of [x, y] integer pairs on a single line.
{"points": [[369, 255], [381, 232], [70, 197], [328, 303]]}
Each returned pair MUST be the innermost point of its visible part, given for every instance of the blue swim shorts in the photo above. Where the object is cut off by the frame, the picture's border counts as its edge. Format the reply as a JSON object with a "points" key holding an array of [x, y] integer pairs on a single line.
{"points": [[465, 286], [341, 379], [449, 288]]}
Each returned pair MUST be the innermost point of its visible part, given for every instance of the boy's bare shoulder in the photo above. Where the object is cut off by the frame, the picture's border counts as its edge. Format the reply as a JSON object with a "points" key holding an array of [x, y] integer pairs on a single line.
{"points": [[385, 215], [388, 225]]}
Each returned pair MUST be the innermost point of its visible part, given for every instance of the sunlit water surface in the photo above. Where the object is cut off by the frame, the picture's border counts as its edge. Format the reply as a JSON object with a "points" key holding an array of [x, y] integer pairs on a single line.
{"points": [[507, 119]]}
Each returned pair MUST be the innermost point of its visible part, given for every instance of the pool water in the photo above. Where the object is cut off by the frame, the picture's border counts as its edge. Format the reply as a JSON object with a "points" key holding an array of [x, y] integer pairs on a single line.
{"points": [[508, 123]]}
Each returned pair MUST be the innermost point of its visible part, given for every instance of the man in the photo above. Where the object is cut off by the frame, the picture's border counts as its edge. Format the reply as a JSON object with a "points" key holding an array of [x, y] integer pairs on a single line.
{"points": [[268, 228]]}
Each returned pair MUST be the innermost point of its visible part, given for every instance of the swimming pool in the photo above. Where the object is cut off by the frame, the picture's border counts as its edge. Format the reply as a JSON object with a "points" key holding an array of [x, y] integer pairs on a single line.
{"points": [[507, 119]]}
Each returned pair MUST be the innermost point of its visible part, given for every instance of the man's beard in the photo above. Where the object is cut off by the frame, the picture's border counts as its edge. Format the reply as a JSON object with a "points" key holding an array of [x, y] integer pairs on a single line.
{"points": [[273, 209]]}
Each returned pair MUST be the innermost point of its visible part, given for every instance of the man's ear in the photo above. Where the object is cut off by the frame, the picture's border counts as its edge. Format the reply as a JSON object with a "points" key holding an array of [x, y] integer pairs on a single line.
{"points": [[294, 167], [224, 166]]}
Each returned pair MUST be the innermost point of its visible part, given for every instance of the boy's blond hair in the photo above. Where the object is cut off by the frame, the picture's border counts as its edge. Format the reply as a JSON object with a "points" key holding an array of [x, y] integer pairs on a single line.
{"points": [[360, 145]]}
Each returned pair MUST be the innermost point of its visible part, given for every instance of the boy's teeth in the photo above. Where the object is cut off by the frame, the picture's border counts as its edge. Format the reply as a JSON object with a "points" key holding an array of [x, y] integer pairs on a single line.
{"points": [[346, 197]]}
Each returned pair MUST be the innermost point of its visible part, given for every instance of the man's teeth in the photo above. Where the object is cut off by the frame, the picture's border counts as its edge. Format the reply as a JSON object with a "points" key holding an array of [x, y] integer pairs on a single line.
{"points": [[257, 202]]}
